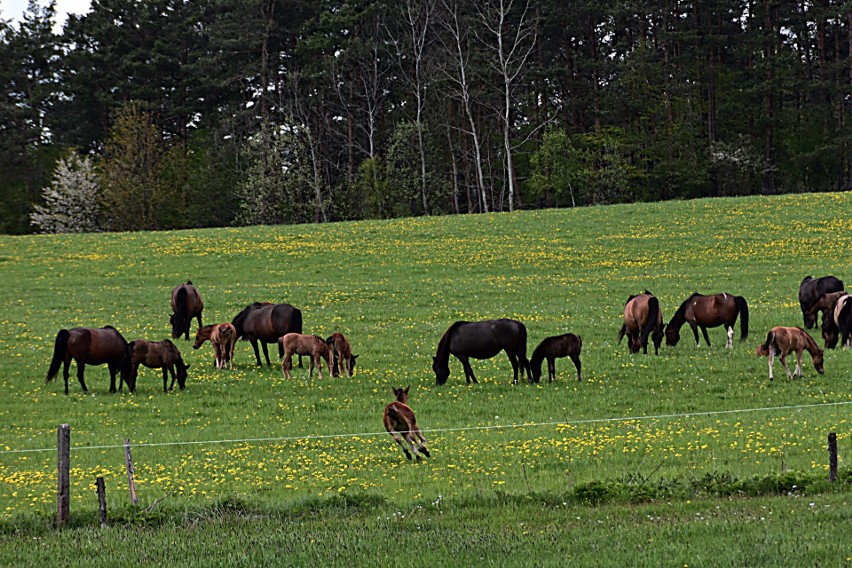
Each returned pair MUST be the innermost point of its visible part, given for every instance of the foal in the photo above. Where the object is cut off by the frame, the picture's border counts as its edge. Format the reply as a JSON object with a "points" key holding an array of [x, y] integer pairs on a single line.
{"points": [[156, 355], [400, 423], [341, 351], [298, 344], [223, 337], [567, 345], [782, 340]]}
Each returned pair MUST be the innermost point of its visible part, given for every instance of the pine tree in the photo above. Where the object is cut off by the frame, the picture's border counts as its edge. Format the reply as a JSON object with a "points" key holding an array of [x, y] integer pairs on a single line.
{"points": [[71, 200]]}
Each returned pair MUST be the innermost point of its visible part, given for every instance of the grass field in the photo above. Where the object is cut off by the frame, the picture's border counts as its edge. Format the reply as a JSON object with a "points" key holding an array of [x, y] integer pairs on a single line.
{"points": [[393, 288]]}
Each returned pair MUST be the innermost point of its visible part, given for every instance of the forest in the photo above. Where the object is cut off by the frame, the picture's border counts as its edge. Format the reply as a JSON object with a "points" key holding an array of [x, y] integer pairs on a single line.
{"points": [[169, 114]]}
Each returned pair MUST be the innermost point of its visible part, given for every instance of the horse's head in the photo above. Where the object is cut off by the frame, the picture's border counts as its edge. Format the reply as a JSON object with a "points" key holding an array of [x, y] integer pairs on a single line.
{"points": [[352, 364], [202, 335], [819, 359], [182, 374], [830, 332], [672, 334], [810, 318], [401, 395], [442, 371]]}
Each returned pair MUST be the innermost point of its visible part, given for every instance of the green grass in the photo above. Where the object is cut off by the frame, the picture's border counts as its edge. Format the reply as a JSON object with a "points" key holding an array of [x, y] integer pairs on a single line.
{"points": [[393, 288]]}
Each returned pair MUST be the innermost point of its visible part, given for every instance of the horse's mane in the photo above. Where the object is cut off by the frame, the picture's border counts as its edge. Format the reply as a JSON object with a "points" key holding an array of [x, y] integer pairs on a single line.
{"points": [[812, 344], [680, 315], [443, 345], [240, 318]]}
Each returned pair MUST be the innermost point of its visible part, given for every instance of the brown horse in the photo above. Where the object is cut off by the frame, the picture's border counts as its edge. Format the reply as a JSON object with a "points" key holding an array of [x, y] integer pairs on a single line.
{"points": [[157, 355], [481, 340], [265, 323], [223, 337], [825, 305], [341, 351], [701, 311], [782, 340], [811, 289], [843, 319], [186, 304], [642, 317], [402, 425], [298, 344], [88, 346], [567, 345]]}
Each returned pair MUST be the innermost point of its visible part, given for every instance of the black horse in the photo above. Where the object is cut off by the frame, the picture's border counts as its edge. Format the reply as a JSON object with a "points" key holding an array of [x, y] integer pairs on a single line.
{"points": [[481, 340], [567, 345], [88, 346], [265, 323], [186, 304], [809, 292]]}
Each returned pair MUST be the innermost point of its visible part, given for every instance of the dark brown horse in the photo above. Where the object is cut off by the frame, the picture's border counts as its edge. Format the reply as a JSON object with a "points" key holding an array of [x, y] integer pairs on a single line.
{"points": [[297, 344], [90, 346], [265, 323], [567, 345], [701, 311], [157, 355], [186, 304], [811, 289], [843, 319], [341, 352], [481, 340], [223, 338], [401, 424], [642, 317], [783, 340], [824, 305]]}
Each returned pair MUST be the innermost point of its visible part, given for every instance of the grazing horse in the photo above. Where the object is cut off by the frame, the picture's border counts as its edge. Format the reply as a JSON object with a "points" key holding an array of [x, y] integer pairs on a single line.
{"points": [[157, 355], [223, 337], [830, 331], [567, 345], [298, 344], [843, 319], [642, 317], [186, 304], [481, 340], [90, 346], [785, 339], [400, 423], [701, 311], [811, 289], [825, 305], [342, 354], [265, 323]]}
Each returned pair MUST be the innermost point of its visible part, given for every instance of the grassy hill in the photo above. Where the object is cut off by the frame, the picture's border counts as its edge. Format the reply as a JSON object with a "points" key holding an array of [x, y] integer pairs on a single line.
{"points": [[393, 287]]}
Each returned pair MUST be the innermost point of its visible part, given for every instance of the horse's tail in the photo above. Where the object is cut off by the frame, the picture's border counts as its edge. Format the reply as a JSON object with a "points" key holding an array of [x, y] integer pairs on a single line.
{"points": [[180, 312], [653, 314], [59, 349], [622, 332], [742, 306], [770, 337], [297, 320]]}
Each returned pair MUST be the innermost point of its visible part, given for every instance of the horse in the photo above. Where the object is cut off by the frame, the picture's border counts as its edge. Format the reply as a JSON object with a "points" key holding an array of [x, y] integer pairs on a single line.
{"points": [[298, 344], [843, 319], [265, 323], [830, 331], [825, 305], [567, 345], [186, 304], [701, 311], [782, 340], [642, 317], [223, 337], [341, 351], [90, 346], [157, 355], [811, 289], [401, 424], [481, 340]]}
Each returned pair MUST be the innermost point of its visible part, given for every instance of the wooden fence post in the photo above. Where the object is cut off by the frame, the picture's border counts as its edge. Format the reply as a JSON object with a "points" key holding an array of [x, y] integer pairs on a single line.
{"points": [[130, 471], [64, 474], [832, 456], [101, 488]]}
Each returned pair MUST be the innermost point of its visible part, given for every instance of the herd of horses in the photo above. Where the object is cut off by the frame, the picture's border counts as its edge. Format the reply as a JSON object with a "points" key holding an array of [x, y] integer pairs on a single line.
{"points": [[265, 323]]}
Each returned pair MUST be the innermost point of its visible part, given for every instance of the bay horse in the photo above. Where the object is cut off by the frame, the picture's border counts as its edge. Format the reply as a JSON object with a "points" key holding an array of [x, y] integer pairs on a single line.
{"points": [[781, 340], [186, 304], [298, 344], [401, 424], [701, 311], [265, 323], [223, 338], [825, 305], [342, 355], [481, 340], [567, 345], [90, 346], [811, 289], [642, 317], [157, 355]]}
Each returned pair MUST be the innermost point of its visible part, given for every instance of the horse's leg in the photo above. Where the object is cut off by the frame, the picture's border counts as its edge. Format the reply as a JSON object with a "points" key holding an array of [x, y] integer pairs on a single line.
{"points": [[166, 378], [513, 359], [551, 369], [730, 343], [784, 362], [398, 439], [798, 370], [771, 359], [707, 337], [412, 440], [265, 352], [174, 376], [66, 365], [694, 329], [256, 352], [468, 370], [421, 442], [576, 360]]}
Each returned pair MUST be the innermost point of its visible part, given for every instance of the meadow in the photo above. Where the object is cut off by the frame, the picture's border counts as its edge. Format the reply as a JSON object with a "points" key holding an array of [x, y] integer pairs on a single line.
{"points": [[249, 437]]}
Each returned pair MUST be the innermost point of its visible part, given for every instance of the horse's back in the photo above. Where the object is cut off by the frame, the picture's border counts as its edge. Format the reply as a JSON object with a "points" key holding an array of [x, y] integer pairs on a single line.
{"points": [[96, 346], [484, 339]]}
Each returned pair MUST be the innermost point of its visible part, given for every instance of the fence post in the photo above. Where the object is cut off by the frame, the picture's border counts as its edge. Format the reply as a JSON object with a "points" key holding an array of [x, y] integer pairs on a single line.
{"points": [[101, 488], [64, 475], [832, 456], [130, 471]]}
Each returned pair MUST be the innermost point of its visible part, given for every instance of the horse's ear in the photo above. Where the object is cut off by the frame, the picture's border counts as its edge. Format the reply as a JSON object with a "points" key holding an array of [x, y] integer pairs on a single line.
{"points": [[405, 390], [354, 357]]}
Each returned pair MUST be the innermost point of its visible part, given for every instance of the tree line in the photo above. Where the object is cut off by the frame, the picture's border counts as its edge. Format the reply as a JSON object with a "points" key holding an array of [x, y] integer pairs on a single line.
{"points": [[176, 113]]}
